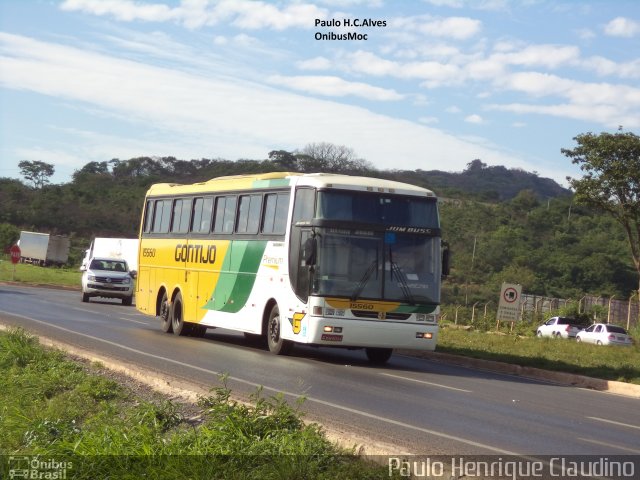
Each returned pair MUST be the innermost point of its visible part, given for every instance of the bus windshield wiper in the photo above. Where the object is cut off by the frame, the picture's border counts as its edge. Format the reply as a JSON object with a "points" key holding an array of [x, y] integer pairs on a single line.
{"points": [[365, 278], [406, 291]]}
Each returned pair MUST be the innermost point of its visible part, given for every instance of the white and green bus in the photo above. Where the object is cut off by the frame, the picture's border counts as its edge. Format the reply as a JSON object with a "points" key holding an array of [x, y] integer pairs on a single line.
{"points": [[317, 259]]}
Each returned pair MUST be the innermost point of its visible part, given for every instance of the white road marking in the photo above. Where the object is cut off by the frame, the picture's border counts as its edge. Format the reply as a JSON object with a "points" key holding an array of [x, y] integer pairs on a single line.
{"points": [[132, 320], [121, 318], [615, 423], [611, 445], [426, 383], [256, 385]]}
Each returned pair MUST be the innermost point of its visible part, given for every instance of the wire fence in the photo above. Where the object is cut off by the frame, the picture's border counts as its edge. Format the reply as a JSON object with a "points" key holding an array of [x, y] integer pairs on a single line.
{"points": [[535, 309]]}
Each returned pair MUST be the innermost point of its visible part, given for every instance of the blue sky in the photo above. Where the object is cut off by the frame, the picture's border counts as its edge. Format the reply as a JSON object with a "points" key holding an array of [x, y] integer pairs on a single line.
{"points": [[434, 84]]}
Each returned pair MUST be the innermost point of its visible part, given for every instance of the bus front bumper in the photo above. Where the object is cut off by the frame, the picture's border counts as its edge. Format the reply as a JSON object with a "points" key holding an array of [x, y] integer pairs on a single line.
{"points": [[368, 333]]}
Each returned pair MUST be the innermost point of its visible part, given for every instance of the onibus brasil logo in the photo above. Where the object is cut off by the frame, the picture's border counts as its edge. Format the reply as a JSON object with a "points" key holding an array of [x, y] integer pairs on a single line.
{"points": [[38, 468]]}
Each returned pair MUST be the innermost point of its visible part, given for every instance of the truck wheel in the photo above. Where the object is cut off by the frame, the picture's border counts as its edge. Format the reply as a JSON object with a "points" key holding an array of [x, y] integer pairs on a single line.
{"points": [[85, 297], [177, 317], [378, 356], [276, 343], [165, 314], [127, 301]]}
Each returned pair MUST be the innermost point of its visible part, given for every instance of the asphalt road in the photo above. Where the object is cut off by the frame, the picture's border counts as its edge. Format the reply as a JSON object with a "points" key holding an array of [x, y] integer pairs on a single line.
{"points": [[420, 406]]}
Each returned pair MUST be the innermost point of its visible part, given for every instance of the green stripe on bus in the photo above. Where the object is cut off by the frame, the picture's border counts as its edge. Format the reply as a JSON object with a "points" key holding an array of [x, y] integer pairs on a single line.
{"points": [[238, 276]]}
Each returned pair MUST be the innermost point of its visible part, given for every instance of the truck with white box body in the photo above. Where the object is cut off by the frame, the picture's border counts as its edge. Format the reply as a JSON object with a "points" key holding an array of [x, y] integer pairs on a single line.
{"points": [[43, 248], [124, 248]]}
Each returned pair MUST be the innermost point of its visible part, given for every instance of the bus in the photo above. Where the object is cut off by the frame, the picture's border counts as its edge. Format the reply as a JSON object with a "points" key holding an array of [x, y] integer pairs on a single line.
{"points": [[289, 258]]}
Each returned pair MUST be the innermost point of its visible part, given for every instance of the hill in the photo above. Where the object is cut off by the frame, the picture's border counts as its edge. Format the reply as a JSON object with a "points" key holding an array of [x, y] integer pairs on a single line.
{"points": [[482, 182]]}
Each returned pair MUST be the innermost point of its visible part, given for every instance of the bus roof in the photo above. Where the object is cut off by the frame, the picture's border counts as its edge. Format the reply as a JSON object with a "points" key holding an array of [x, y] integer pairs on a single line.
{"points": [[284, 179]]}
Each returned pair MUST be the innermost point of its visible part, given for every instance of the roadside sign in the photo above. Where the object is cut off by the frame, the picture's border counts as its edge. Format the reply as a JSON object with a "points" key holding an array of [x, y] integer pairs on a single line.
{"points": [[509, 304], [15, 254]]}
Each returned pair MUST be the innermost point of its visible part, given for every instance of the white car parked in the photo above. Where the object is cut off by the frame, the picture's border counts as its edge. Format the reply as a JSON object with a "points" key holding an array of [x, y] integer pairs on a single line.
{"points": [[108, 278], [604, 334], [560, 327]]}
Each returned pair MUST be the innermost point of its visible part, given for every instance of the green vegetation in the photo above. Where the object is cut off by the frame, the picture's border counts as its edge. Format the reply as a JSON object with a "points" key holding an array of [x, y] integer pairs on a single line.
{"points": [[56, 408], [33, 274], [608, 363], [611, 182]]}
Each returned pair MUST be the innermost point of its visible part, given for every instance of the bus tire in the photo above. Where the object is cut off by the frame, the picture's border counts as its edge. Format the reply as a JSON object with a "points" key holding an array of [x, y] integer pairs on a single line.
{"points": [[277, 344], [378, 356], [165, 314], [177, 317]]}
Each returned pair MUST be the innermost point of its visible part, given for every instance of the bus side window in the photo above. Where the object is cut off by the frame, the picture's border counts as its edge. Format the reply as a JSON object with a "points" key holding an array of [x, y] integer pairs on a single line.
{"points": [[304, 208], [180, 219], [275, 213], [225, 212], [249, 213], [162, 215], [148, 217], [201, 218]]}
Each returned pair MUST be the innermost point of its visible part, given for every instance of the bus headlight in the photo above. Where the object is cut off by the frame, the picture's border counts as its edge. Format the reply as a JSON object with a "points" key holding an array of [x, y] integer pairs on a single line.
{"points": [[327, 312], [426, 317]]}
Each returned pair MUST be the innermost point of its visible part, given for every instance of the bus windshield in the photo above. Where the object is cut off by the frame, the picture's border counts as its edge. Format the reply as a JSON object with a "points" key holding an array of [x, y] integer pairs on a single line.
{"points": [[379, 209], [378, 265]]}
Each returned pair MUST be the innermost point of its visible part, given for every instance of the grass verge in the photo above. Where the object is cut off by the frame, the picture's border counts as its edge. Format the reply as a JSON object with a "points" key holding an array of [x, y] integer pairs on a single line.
{"points": [[608, 363], [73, 419], [33, 274]]}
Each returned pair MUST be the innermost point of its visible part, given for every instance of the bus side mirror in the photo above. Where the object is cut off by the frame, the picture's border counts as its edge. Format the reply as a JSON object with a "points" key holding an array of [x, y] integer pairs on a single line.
{"points": [[446, 255], [309, 252]]}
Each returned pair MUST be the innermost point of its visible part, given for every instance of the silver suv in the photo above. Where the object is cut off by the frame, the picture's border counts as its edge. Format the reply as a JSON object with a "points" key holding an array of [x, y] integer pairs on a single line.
{"points": [[109, 278]]}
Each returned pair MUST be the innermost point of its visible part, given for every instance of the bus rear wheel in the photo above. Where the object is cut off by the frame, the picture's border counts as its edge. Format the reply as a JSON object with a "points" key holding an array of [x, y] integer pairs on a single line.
{"points": [[165, 314], [378, 356], [177, 317], [276, 343]]}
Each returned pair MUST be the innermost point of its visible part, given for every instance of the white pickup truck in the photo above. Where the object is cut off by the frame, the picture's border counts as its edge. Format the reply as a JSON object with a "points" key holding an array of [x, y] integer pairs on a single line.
{"points": [[560, 327]]}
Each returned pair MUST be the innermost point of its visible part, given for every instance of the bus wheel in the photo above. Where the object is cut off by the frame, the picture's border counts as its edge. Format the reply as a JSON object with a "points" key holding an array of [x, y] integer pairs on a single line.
{"points": [[177, 320], [378, 356], [165, 314], [276, 343]]}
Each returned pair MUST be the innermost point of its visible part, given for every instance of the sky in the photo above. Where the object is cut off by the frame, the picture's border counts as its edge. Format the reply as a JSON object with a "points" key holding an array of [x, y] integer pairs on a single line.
{"points": [[406, 84]]}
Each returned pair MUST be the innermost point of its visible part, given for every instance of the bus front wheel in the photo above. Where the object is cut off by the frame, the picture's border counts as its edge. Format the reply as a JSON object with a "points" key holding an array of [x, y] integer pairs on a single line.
{"points": [[277, 344], [165, 314], [378, 356], [177, 320]]}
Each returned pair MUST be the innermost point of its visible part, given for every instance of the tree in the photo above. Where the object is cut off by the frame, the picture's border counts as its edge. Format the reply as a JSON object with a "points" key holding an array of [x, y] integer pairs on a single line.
{"points": [[611, 181], [36, 172], [284, 159], [327, 157], [475, 165]]}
